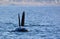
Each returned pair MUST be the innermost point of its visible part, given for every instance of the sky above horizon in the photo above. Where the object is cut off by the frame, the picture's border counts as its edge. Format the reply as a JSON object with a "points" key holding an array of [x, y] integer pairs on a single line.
{"points": [[30, 2]]}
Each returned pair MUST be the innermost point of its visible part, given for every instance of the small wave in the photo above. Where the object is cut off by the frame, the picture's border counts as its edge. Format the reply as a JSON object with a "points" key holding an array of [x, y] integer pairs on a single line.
{"points": [[39, 25], [11, 24]]}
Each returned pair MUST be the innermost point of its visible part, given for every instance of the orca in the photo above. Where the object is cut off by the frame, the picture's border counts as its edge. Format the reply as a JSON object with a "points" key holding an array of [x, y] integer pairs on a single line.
{"points": [[21, 27]]}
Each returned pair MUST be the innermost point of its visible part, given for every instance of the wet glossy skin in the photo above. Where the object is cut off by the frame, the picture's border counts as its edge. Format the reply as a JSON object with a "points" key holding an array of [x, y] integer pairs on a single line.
{"points": [[21, 30]]}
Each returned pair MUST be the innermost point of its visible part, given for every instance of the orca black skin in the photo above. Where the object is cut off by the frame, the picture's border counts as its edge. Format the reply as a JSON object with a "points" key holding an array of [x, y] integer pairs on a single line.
{"points": [[20, 29], [23, 19], [19, 19]]}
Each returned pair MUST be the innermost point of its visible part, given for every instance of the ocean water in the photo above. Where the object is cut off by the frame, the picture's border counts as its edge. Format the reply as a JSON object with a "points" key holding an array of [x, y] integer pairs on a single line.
{"points": [[43, 22]]}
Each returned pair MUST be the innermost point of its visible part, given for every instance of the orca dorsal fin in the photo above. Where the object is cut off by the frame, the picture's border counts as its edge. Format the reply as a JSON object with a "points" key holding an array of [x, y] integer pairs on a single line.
{"points": [[18, 19], [23, 19]]}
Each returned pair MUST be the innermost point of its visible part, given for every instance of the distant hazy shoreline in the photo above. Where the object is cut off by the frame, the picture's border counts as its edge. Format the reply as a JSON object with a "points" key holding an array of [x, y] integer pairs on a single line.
{"points": [[30, 2]]}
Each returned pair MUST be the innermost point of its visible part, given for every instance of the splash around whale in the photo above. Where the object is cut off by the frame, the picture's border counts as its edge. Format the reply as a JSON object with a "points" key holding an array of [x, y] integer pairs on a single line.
{"points": [[19, 30]]}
